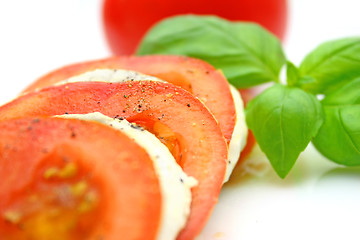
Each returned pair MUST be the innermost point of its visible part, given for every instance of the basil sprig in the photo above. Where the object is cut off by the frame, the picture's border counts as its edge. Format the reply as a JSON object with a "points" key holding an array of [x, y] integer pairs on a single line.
{"points": [[246, 53], [285, 117]]}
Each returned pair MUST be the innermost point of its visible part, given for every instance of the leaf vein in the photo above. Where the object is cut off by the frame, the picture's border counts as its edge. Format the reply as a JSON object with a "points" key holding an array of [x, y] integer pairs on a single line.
{"points": [[332, 55], [346, 131], [236, 41], [282, 132]]}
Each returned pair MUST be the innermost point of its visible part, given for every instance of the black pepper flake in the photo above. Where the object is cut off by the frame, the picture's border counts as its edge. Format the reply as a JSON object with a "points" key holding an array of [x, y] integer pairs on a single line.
{"points": [[124, 111], [137, 127], [66, 113], [65, 159], [162, 116], [181, 180], [98, 102], [36, 120], [100, 237], [188, 105], [73, 134]]}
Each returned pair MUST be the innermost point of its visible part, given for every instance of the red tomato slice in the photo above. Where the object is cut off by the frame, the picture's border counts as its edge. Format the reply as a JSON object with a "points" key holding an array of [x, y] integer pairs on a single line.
{"points": [[175, 115], [71, 179], [194, 75]]}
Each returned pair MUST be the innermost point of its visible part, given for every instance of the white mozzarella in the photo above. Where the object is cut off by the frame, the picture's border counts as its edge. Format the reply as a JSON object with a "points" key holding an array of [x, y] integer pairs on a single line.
{"points": [[175, 184], [239, 136], [109, 75]]}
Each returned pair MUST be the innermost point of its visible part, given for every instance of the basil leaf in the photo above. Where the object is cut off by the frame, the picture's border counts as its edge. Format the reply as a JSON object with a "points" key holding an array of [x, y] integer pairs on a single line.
{"points": [[246, 53], [284, 120], [347, 94], [339, 137], [305, 80], [292, 74], [332, 65], [294, 77]]}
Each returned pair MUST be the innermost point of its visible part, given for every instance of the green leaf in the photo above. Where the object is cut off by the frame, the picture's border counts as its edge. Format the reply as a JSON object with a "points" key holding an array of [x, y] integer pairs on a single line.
{"points": [[305, 80], [294, 77], [292, 73], [339, 138], [347, 94], [332, 65], [246, 53], [284, 120]]}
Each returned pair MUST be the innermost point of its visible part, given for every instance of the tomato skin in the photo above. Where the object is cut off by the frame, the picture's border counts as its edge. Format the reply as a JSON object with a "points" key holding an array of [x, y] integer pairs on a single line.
{"points": [[126, 21], [194, 75], [203, 147]]}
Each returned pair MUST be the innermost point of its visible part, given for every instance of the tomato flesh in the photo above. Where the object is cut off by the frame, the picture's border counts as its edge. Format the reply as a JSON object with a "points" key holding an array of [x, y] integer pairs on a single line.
{"points": [[58, 202], [69, 179], [203, 147], [164, 133]]}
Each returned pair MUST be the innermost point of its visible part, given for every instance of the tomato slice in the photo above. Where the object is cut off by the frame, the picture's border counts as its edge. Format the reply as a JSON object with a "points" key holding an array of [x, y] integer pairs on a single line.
{"points": [[188, 124], [71, 179], [194, 75]]}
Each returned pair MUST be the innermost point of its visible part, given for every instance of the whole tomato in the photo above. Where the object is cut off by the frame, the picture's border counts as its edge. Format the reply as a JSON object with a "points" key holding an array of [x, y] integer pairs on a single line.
{"points": [[126, 21]]}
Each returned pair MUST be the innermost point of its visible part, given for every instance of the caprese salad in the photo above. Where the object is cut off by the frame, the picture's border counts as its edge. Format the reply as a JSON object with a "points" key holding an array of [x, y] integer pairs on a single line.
{"points": [[118, 148]]}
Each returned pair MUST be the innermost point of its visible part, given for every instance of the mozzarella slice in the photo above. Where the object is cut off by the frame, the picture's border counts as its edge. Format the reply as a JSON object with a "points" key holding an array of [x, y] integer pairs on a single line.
{"points": [[175, 184], [238, 138], [109, 75]]}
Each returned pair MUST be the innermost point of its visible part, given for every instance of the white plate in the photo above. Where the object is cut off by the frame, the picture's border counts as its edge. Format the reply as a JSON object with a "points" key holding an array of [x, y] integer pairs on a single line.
{"points": [[318, 200]]}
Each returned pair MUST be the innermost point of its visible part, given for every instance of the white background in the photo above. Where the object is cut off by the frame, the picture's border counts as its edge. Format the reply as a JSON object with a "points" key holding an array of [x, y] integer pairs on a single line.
{"points": [[318, 200]]}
